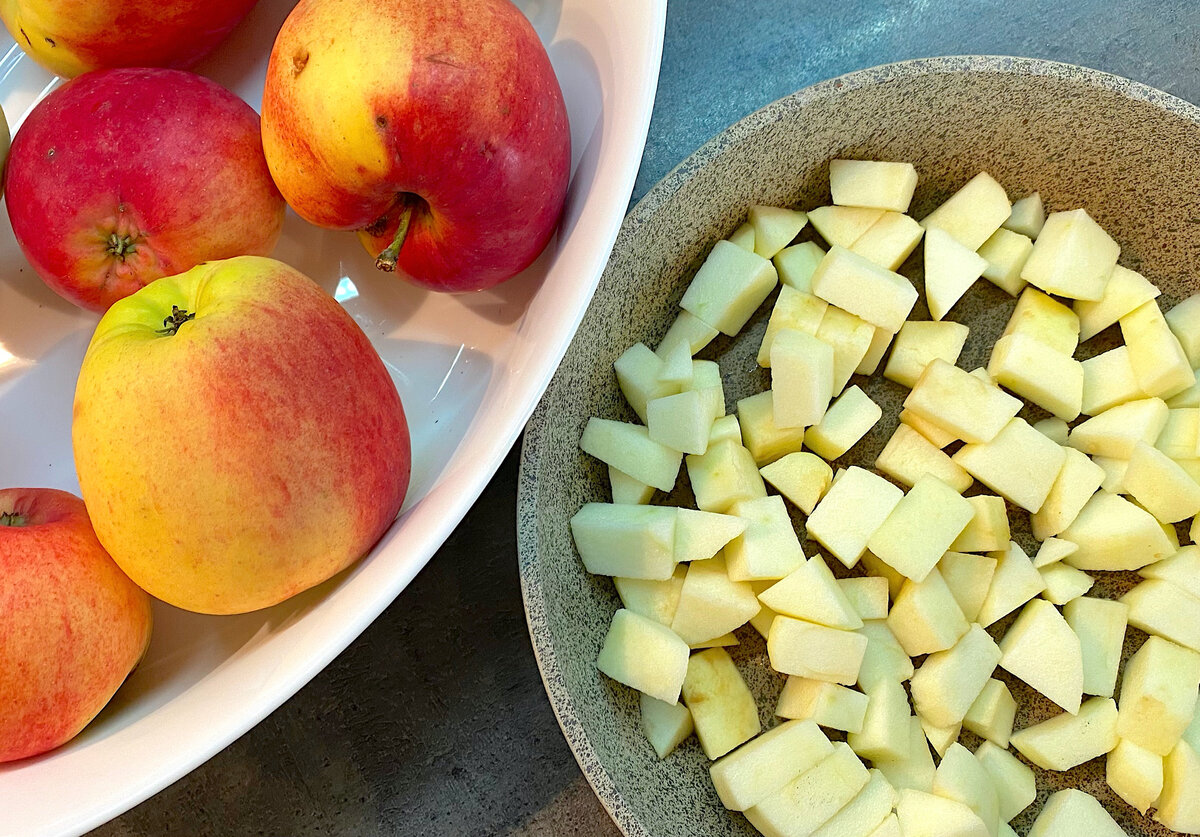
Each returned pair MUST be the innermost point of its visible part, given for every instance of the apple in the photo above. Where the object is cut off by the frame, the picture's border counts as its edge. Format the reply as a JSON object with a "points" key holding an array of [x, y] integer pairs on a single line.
{"points": [[72, 625], [69, 38], [436, 128], [122, 176], [237, 438]]}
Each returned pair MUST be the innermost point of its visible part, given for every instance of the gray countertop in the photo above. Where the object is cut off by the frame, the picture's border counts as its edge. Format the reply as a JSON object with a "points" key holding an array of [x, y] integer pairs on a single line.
{"points": [[434, 722]]}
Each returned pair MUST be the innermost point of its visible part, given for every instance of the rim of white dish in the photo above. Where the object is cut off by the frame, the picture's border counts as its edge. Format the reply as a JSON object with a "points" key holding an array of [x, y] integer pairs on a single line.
{"points": [[535, 431]]}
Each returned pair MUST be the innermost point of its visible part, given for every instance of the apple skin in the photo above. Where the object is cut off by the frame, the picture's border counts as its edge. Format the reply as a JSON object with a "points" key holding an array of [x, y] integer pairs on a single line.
{"points": [[253, 453], [163, 160], [71, 37], [448, 106], [72, 625]]}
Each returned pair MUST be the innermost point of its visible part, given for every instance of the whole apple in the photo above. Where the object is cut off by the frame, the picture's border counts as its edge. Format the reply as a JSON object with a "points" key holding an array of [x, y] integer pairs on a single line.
{"points": [[70, 38], [446, 143], [237, 438], [72, 625], [122, 176]]}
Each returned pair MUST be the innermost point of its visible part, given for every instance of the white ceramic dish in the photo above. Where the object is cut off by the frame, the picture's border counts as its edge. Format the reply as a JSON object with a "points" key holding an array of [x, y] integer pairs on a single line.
{"points": [[469, 368]]}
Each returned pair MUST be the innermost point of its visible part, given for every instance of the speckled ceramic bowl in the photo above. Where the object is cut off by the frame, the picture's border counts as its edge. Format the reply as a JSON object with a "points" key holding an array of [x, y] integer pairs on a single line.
{"points": [[1128, 154]]}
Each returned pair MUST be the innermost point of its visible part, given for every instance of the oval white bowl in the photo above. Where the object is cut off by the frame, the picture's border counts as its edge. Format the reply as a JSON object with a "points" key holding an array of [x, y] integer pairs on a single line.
{"points": [[469, 368]]}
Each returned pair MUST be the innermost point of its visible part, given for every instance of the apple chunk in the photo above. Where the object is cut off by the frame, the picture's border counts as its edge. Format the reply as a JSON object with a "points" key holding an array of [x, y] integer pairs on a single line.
{"points": [[722, 706], [627, 541], [644, 655], [972, 213], [1158, 695], [950, 270], [1073, 813], [807, 649], [921, 528], [710, 603], [1100, 626], [1041, 649], [629, 448], [948, 683], [1019, 463], [762, 766], [812, 798], [917, 343], [1072, 257], [666, 725], [852, 510], [960, 403], [872, 183], [1065, 741], [729, 287], [855, 284]]}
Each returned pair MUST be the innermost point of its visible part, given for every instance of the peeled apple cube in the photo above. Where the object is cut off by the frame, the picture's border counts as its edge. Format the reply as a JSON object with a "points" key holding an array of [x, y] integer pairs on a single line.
{"points": [[626, 490], [854, 507], [885, 724], [1019, 464], [843, 225], [872, 183], [812, 593], [1037, 372], [764, 765], [710, 604], [1114, 534], [928, 815], [743, 236], [763, 437], [1159, 362], [988, 529], [796, 264], [1116, 431], [1072, 257], [769, 548], [961, 778], [883, 658], [624, 540], [889, 241], [950, 270], [992, 714], [722, 707], [801, 378], [629, 448], [855, 284], [960, 403], [1041, 649], [725, 474], [700, 535], [969, 577], [940, 738], [921, 528], [916, 769], [654, 599], [681, 422], [1159, 607], [1135, 774], [1053, 550], [1027, 216], [793, 309], [644, 655], [908, 456], [1108, 381], [1067, 740], [822, 702], [1073, 813], [1006, 253], [666, 725], [972, 213], [1182, 569], [867, 594], [949, 682], [1077, 481], [1179, 804], [812, 798], [1015, 582], [806, 649], [676, 369], [1100, 625], [878, 348], [637, 371], [1160, 485], [866, 812], [1012, 779], [725, 428], [1064, 583], [1046, 320], [774, 228], [1126, 290], [729, 287], [690, 329], [919, 342], [1184, 322], [1158, 695], [847, 420], [801, 477], [925, 617]]}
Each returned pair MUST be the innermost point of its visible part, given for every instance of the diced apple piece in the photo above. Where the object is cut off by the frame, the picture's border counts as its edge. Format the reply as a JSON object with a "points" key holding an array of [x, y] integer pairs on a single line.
{"points": [[1015, 582], [865, 813], [1179, 435], [625, 540], [921, 528], [774, 228], [969, 578], [845, 422], [1074, 486], [762, 436], [908, 456], [841, 226], [919, 342], [927, 815], [1135, 774], [1181, 569], [854, 507], [949, 682], [1126, 290], [729, 287], [825, 703], [722, 707], [1073, 813], [1053, 428], [962, 778], [626, 491], [1116, 431], [764, 765], [1160, 485], [1052, 551], [812, 798], [950, 269], [1041, 649], [1027, 216], [793, 309], [644, 655], [706, 380], [1179, 804], [801, 378], [889, 241], [666, 725], [676, 370], [1159, 362], [960, 403], [925, 617], [884, 658], [762, 620], [801, 477], [796, 264], [1006, 253], [916, 769], [807, 649], [1184, 322], [724, 475], [875, 566], [727, 640], [988, 530], [1072, 257], [812, 593], [710, 604], [850, 338], [725, 428], [940, 738], [1037, 372], [743, 236], [629, 448], [934, 433], [1065, 741], [1038, 316], [638, 370], [872, 183], [1019, 464], [868, 595], [1108, 381], [884, 728], [681, 422], [654, 599], [1012, 779], [875, 352], [992, 714], [1114, 534], [1158, 694], [769, 547], [972, 213], [1100, 626], [1064, 583], [852, 283]]}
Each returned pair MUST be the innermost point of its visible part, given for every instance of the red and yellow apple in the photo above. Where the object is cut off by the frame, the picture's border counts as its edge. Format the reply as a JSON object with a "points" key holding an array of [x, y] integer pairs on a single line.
{"points": [[237, 438], [436, 128], [71, 37], [72, 625], [122, 176]]}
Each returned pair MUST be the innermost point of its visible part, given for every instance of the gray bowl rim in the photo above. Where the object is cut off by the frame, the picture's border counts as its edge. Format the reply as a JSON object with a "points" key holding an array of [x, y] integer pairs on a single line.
{"points": [[527, 541]]}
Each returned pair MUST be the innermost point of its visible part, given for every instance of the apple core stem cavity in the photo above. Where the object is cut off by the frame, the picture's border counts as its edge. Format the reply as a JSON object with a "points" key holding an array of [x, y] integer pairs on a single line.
{"points": [[386, 261], [178, 317], [12, 519], [120, 246]]}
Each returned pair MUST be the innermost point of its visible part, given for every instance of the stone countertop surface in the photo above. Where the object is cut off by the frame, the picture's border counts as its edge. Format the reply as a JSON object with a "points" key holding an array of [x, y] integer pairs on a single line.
{"points": [[434, 722]]}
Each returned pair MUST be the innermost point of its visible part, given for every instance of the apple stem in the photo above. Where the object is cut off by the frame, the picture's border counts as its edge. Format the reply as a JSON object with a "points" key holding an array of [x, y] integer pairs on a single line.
{"points": [[120, 246], [386, 261], [12, 519], [172, 323]]}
